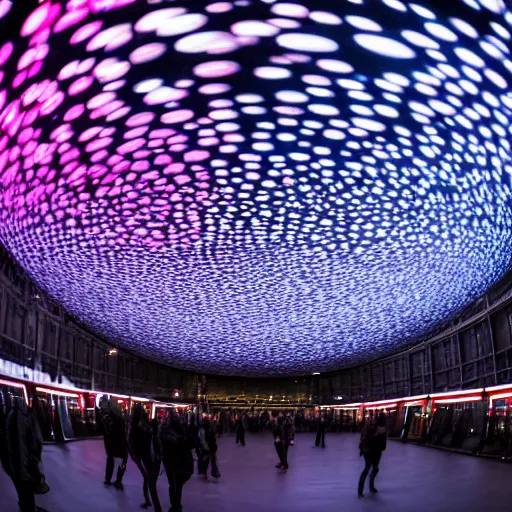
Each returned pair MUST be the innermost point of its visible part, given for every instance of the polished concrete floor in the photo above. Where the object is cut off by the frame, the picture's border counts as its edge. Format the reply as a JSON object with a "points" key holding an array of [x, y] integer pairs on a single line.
{"points": [[411, 479]]}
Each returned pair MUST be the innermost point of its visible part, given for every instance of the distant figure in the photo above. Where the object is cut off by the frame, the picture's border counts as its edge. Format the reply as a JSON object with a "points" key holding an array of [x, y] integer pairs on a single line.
{"points": [[207, 450], [177, 444], [291, 419], [141, 445], [281, 431], [114, 436], [22, 459], [320, 432], [240, 430], [373, 443]]}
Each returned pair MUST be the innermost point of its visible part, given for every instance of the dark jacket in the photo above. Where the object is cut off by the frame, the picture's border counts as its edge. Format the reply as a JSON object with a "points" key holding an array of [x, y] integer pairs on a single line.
{"points": [[373, 439], [321, 427], [206, 442], [282, 429], [24, 446], [176, 444], [140, 435], [114, 432]]}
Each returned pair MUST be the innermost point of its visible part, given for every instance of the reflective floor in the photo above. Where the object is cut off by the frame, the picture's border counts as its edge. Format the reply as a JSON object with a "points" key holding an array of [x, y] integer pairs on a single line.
{"points": [[411, 479]]}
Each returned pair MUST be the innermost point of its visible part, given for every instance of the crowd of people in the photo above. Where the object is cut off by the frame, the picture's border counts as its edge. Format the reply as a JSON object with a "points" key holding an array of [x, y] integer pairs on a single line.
{"points": [[169, 441]]}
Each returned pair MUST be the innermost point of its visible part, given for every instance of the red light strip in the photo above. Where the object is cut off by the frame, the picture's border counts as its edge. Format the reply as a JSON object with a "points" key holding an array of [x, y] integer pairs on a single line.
{"points": [[16, 385], [459, 400], [56, 393]]}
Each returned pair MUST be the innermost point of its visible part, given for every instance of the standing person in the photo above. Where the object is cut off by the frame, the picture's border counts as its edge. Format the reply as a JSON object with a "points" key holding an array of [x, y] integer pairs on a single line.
{"points": [[291, 420], [141, 448], [373, 443], [320, 432], [207, 450], [240, 430], [281, 431], [23, 456], [177, 444], [114, 437]]}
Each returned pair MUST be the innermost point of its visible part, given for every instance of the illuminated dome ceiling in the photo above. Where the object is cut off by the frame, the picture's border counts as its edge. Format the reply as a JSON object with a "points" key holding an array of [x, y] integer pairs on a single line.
{"points": [[257, 187]]}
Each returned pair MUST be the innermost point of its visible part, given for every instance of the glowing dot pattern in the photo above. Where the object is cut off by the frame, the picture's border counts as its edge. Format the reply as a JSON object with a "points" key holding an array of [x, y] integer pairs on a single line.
{"points": [[257, 188]]}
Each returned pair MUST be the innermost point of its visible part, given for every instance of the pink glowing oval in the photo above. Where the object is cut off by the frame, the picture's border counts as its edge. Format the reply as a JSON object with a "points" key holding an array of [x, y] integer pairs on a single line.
{"points": [[74, 112], [207, 42], [85, 66], [52, 104], [19, 79], [106, 109], [36, 19], [111, 69], [70, 18], [182, 24], [68, 71], [147, 53], [135, 132], [140, 119], [114, 86], [35, 68], [6, 52], [90, 133], [80, 85], [86, 32], [164, 95], [161, 132], [152, 21], [176, 116], [100, 99], [219, 7], [212, 89], [111, 38], [99, 156], [97, 6], [216, 69], [254, 28], [98, 144], [124, 111], [5, 7], [131, 146], [196, 155]]}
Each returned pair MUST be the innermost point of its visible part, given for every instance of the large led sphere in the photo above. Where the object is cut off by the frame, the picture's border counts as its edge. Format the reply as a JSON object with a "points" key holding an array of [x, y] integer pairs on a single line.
{"points": [[257, 187]]}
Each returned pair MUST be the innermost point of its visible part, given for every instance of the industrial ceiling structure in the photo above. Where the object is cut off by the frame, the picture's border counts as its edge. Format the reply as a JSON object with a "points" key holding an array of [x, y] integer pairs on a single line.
{"points": [[257, 187]]}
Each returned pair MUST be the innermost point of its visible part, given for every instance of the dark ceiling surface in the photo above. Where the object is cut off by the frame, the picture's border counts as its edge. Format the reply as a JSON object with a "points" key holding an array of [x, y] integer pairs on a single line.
{"points": [[257, 188]]}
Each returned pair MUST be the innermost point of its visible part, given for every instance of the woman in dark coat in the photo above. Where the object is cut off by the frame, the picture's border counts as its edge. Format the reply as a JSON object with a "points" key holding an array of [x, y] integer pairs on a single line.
{"points": [[373, 443], [140, 445], [114, 437], [177, 445]]}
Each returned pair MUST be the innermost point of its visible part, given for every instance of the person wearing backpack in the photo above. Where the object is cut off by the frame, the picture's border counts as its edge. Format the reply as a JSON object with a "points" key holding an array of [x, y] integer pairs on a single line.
{"points": [[176, 444], [142, 452], [373, 443]]}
